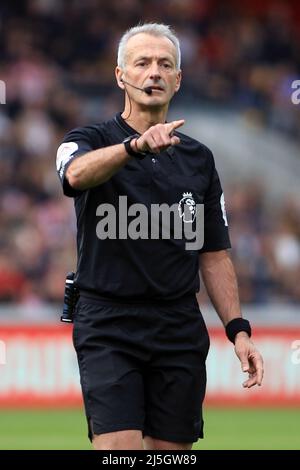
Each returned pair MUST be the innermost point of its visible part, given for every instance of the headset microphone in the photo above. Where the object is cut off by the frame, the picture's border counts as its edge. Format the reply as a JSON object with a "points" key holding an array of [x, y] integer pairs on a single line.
{"points": [[147, 89]]}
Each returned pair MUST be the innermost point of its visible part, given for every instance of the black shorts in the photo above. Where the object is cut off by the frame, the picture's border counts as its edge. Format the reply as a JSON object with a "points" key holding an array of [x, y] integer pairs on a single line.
{"points": [[142, 367]]}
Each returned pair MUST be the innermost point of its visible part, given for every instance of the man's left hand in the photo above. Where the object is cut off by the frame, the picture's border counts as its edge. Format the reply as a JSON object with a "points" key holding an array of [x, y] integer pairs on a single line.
{"points": [[251, 359]]}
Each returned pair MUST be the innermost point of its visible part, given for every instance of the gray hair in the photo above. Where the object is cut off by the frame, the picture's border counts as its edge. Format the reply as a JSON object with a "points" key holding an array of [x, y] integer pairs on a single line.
{"points": [[155, 29]]}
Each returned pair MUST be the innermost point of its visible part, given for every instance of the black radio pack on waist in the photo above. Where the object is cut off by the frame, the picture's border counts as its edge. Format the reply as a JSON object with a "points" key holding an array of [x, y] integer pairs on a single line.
{"points": [[70, 299]]}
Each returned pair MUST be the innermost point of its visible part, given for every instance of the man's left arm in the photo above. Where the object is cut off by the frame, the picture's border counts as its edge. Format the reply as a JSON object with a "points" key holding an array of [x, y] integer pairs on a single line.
{"points": [[221, 284]]}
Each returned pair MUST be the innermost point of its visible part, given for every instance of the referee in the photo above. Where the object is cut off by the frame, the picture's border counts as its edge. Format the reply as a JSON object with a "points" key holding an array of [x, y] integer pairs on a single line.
{"points": [[140, 338]]}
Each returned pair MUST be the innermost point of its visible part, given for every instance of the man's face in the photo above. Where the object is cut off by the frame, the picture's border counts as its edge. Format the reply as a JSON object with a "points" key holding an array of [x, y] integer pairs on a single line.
{"points": [[150, 61]]}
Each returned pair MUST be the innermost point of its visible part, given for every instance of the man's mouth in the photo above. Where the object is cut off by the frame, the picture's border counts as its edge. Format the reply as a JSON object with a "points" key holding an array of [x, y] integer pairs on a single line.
{"points": [[156, 88]]}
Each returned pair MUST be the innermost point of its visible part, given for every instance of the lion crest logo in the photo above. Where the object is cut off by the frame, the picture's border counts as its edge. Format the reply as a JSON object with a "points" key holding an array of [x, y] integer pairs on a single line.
{"points": [[187, 208]]}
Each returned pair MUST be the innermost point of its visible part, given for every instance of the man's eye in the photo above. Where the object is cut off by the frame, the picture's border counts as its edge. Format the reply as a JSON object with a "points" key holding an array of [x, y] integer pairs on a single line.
{"points": [[141, 64], [167, 66]]}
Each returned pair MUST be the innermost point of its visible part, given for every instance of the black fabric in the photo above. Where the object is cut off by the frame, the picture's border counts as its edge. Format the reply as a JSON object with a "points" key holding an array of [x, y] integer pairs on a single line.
{"points": [[142, 367], [143, 268], [235, 326]]}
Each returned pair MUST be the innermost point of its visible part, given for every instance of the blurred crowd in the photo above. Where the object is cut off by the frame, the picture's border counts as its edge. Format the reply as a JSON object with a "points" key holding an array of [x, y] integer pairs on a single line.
{"points": [[265, 242], [57, 59]]}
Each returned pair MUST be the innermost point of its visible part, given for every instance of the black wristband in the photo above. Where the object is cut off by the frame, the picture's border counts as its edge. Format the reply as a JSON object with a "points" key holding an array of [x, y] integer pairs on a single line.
{"points": [[235, 326], [129, 149]]}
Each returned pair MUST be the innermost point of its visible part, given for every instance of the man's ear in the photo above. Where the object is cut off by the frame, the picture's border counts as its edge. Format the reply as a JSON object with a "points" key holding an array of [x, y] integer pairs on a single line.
{"points": [[178, 80], [119, 76]]}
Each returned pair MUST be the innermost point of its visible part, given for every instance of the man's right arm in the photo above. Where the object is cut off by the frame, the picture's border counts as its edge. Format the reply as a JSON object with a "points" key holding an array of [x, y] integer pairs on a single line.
{"points": [[96, 167]]}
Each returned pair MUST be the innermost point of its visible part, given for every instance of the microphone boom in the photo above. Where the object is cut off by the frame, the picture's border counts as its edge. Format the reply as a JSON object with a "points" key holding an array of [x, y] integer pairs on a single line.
{"points": [[147, 89]]}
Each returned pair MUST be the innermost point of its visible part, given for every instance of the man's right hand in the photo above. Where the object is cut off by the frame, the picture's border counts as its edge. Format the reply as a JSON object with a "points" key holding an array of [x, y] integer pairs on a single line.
{"points": [[157, 138]]}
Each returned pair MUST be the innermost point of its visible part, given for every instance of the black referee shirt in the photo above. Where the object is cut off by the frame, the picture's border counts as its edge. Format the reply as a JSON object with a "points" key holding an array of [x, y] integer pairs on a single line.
{"points": [[142, 269]]}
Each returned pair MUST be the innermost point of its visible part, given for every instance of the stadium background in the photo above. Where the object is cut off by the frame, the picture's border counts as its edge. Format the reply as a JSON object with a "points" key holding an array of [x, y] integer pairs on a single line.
{"points": [[239, 61]]}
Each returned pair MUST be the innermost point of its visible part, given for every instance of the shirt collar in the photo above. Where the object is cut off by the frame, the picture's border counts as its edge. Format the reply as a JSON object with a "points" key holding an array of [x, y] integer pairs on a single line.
{"points": [[123, 124]]}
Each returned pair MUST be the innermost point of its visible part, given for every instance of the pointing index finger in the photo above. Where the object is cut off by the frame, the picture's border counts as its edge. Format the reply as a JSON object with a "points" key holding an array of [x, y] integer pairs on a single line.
{"points": [[171, 126]]}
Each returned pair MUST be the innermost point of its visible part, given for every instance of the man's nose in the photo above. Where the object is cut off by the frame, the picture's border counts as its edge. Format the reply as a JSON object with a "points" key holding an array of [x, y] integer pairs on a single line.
{"points": [[154, 72]]}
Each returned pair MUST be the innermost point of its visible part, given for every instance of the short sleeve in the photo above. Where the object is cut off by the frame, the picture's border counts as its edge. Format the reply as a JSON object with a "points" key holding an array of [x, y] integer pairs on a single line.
{"points": [[76, 143], [216, 234]]}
